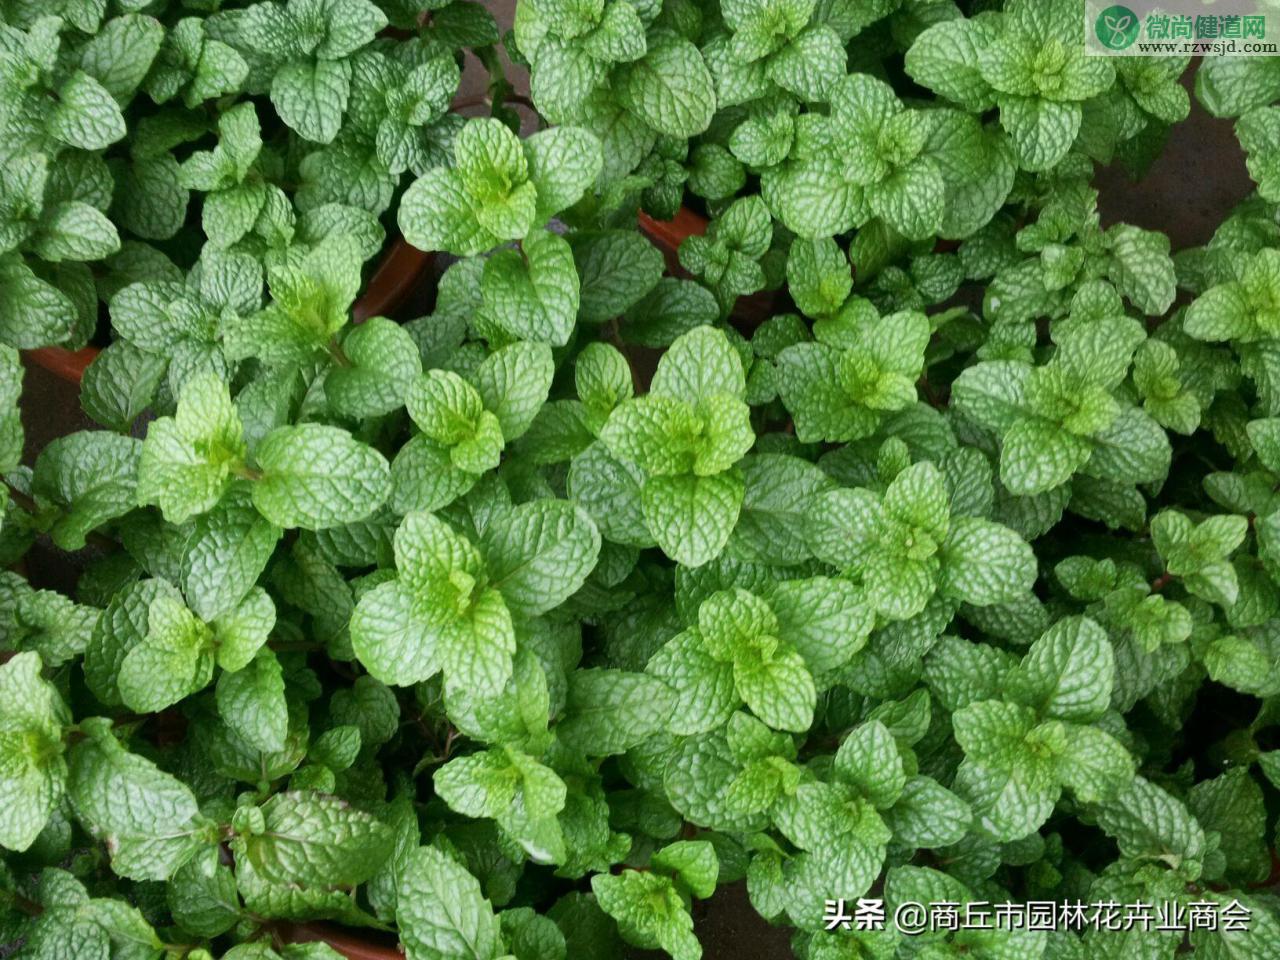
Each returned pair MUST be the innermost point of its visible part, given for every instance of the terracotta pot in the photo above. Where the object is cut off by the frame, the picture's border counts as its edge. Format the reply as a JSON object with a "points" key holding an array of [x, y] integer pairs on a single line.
{"points": [[1273, 879], [667, 235], [68, 365], [349, 944], [398, 272], [400, 269]]}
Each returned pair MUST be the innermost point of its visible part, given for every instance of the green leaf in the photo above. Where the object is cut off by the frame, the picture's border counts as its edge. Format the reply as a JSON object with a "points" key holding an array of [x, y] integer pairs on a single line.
{"points": [[928, 815], [315, 476], [33, 770], [809, 386], [1038, 456], [119, 385], [649, 911], [121, 53], [1011, 787], [488, 785], [188, 459], [75, 231], [563, 163], [670, 89], [91, 478], [534, 296], [173, 660], [705, 694], [1042, 130], [424, 477], [53, 626], [653, 433], [911, 200], [441, 911], [1149, 824], [314, 840], [371, 707], [514, 382], [435, 214], [868, 760], [148, 818], [945, 58], [1141, 268], [819, 277], [1068, 673], [611, 711], [985, 563], [779, 494], [86, 116], [440, 613], [352, 24], [1232, 85], [698, 366], [252, 702], [539, 553], [311, 97], [825, 619], [810, 64], [121, 627], [692, 517], [383, 362], [1090, 761], [778, 689], [485, 199], [692, 863], [617, 270], [1257, 940], [228, 550], [602, 377]]}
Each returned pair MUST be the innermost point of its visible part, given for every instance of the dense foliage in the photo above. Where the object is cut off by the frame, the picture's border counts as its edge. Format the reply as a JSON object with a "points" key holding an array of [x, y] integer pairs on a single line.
{"points": [[512, 630]]}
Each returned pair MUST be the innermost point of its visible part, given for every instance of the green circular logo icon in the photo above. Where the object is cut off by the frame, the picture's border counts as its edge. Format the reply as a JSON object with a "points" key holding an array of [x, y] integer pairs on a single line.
{"points": [[1116, 27]]}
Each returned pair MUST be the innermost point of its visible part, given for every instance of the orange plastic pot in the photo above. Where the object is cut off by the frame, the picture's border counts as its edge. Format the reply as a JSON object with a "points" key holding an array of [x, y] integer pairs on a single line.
{"points": [[667, 235], [350, 945], [399, 271], [68, 365], [392, 282]]}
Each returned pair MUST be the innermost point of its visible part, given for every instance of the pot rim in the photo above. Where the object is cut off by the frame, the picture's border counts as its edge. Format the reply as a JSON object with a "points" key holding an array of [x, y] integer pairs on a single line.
{"points": [[667, 235], [345, 941]]}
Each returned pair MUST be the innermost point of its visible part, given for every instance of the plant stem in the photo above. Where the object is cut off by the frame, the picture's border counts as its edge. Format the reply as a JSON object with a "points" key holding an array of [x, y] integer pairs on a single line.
{"points": [[24, 904], [338, 354], [28, 503]]}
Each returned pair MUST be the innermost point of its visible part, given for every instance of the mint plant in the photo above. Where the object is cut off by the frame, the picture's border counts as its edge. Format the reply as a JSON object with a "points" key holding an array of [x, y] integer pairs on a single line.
{"points": [[683, 439], [909, 535]]}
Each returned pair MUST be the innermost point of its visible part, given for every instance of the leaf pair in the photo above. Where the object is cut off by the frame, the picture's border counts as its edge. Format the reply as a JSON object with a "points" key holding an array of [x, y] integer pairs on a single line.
{"points": [[500, 187], [904, 546], [1063, 417], [307, 475], [761, 652], [453, 605], [861, 367], [1021, 750], [685, 436], [652, 907]]}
